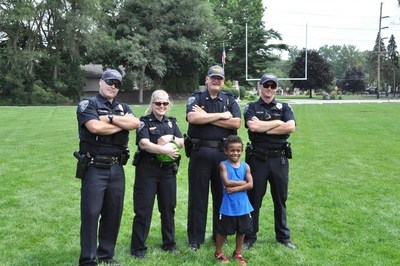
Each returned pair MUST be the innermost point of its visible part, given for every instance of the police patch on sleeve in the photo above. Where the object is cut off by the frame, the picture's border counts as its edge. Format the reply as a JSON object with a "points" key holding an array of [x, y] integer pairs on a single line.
{"points": [[83, 105], [279, 106], [141, 126], [191, 100]]}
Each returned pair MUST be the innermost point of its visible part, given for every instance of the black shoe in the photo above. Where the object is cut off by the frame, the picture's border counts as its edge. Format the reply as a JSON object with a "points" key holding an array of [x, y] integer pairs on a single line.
{"points": [[139, 254], [248, 244], [194, 247], [288, 244], [169, 248], [109, 262]]}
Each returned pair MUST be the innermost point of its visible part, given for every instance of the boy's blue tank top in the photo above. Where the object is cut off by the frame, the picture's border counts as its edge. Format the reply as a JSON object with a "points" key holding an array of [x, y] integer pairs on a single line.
{"points": [[237, 203]]}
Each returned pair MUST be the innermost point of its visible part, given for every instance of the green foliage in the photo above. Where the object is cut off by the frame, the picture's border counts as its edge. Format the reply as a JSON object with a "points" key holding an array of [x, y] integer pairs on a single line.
{"points": [[342, 57], [343, 200], [353, 80], [319, 74], [233, 16]]}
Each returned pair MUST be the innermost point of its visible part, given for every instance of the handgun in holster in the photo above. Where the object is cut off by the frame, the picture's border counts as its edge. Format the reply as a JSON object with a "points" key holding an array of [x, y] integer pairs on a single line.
{"points": [[136, 157], [82, 164], [288, 150], [249, 151], [125, 156], [188, 145]]}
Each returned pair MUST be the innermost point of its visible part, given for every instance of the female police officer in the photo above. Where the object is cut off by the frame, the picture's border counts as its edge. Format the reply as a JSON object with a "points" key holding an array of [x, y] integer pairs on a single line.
{"points": [[154, 176]]}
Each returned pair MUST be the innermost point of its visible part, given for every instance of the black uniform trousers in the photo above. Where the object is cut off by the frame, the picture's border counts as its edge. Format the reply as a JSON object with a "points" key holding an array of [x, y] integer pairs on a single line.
{"points": [[275, 170], [203, 170], [150, 180], [102, 196]]}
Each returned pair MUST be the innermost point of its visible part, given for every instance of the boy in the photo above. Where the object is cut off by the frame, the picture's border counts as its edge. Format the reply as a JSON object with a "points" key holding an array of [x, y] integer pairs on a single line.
{"points": [[235, 208]]}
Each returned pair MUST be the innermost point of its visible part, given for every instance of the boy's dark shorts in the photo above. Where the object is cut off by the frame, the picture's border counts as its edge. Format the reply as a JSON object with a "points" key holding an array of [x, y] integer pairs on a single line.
{"points": [[229, 225]]}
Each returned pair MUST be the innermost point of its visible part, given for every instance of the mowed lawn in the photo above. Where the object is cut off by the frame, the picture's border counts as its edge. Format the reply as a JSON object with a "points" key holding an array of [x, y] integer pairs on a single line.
{"points": [[343, 207]]}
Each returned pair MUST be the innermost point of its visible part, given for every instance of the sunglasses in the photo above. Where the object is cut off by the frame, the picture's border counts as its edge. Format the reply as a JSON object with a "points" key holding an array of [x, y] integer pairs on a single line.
{"points": [[269, 85], [114, 82], [161, 103]]}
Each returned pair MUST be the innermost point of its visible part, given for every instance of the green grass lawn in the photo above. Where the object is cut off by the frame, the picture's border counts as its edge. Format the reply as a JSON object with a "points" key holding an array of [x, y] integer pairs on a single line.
{"points": [[343, 206]]}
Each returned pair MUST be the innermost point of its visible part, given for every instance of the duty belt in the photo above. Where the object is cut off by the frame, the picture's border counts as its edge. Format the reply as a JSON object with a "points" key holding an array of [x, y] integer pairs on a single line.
{"points": [[102, 161], [267, 153], [208, 143]]}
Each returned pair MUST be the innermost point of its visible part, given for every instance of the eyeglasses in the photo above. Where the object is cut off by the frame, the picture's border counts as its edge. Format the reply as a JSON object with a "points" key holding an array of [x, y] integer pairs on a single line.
{"points": [[114, 82], [161, 103], [269, 85]]}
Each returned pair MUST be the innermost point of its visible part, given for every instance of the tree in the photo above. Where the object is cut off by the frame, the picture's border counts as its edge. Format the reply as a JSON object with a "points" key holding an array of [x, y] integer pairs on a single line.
{"points": [[41, 45], [393, 57], [383, 66], [319, 73], [342, 57], [233, 16], [353, 80], [159, 43]]}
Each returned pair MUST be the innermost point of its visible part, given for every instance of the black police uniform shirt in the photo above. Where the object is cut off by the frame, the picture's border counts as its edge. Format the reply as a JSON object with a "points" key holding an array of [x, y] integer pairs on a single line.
{"points": [[151, 128], [92, 108], [267, 112], [225, 101]]}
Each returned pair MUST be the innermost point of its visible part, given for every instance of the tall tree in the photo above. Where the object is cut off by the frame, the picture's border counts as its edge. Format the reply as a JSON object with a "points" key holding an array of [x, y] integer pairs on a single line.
{"points": [[319, 73], [393, 57], [159, 43], [373, 61], [234, 15], [342, 57], [353, 80]]}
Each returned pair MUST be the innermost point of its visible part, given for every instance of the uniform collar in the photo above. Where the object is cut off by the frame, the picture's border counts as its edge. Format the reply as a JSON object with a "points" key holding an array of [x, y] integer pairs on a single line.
{"points": [[154, 118], [208, 97], [261, 102], [105, 101]]}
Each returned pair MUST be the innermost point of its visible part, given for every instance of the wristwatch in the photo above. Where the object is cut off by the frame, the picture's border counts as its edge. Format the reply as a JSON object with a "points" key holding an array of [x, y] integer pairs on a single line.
{"points": [[110, 116]]}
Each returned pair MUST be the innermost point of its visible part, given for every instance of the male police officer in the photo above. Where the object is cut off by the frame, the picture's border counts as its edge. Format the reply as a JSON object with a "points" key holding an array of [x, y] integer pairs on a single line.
{"points": [[269, 124], [104, 126], [212, 115]]}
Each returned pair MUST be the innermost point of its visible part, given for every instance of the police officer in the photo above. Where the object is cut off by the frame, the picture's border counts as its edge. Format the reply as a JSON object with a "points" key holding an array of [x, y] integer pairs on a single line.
{"points": [[104, 126], [269, 124], [157, 161], [212, 115]]}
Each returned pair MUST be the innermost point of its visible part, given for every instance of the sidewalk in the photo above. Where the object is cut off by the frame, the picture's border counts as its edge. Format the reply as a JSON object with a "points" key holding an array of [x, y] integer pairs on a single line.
{"points": [[311, 101]]}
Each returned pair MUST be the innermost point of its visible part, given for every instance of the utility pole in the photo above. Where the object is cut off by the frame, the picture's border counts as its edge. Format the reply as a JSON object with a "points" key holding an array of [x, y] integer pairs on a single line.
{"points": [[379, 51]]}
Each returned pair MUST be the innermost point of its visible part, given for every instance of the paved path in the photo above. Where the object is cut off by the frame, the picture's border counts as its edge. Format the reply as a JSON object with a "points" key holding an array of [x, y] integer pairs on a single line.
{"points": [[342, 101]]}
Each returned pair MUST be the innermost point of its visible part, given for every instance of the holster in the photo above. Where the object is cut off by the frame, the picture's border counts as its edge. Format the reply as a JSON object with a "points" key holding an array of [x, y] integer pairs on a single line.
{"points": [[136, 157], [82, 164], [249, 151], [125, 157], [188, 145], [288, 150]]}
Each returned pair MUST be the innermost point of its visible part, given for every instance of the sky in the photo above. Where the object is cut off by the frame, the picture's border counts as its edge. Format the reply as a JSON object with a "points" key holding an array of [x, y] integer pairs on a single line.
{"points": [[315, 23]]}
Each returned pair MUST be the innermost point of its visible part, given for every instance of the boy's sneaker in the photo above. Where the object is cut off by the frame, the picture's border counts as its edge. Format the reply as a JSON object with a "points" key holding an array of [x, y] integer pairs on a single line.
{"points": [[239, 258], [219, 256]]}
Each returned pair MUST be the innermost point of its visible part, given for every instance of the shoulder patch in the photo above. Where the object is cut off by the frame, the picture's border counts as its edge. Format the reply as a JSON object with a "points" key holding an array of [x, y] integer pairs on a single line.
{"points": [[83, 105], [279, 106], [191, 100], [141, 126]]}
